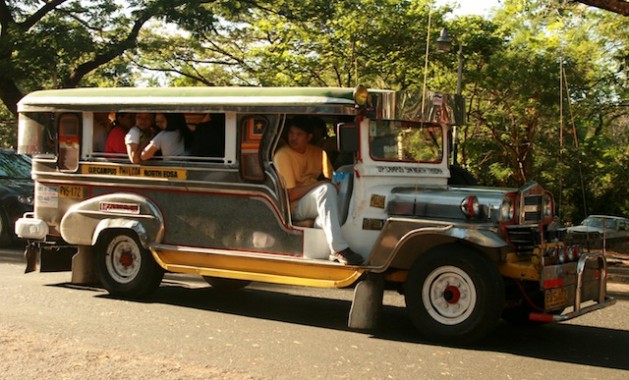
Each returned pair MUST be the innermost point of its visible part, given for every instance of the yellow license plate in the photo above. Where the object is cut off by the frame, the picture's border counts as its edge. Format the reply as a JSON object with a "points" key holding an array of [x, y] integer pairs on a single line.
{"points": [[74, 192], [555, 298]]}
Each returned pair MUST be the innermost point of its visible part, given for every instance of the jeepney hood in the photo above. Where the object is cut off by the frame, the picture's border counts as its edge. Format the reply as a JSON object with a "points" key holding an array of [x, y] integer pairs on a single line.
{"points": [[444, 203]]}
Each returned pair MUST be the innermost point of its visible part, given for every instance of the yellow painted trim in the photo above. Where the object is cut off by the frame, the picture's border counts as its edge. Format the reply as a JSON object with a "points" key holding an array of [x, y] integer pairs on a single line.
{"points": [[289, 271], [514, 267], [135, 171]]}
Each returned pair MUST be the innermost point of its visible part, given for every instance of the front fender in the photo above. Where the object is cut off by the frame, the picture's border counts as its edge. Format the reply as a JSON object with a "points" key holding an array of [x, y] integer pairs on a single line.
{"points": [[392, 246], [85, 221]]}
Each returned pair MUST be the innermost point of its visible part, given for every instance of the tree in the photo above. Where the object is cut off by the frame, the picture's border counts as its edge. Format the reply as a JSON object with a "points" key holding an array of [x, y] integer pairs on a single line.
{"points": [[515, 128], [57, 43], [616, 6]]}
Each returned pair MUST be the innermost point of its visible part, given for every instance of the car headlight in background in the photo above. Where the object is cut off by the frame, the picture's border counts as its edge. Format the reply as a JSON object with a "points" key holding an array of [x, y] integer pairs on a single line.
{"points": [[25, 199]]}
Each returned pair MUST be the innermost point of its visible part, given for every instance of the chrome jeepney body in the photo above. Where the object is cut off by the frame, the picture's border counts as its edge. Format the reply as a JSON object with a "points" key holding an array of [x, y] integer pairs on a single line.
{"points": [[226, 215]]}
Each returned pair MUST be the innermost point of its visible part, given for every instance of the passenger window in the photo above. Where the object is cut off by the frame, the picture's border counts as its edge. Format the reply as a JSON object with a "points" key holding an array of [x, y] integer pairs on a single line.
{"points": [[69, 128], [251, 131], [209, 136]]}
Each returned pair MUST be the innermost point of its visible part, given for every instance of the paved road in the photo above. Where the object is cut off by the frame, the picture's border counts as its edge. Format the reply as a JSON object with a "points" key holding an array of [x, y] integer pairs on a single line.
{"points": [[51, 329]]}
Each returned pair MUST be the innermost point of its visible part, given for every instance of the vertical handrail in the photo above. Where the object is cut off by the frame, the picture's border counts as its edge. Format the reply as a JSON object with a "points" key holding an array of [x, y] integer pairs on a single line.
{"points": [[581, 268]]}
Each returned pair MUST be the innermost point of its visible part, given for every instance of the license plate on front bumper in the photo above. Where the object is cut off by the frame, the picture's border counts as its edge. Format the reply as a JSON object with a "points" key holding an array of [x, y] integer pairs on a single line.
{"points": [[555, 298]]}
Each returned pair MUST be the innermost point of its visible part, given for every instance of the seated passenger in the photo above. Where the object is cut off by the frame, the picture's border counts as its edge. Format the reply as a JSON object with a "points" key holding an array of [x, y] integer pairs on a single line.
{"points": [[138, 136], [301, 165], [173, 139], [119, 127], [209, 137]]}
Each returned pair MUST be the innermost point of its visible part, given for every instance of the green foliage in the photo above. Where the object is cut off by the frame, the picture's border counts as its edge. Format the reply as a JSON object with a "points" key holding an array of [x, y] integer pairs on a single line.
{"points": [[8, 129], [525, 119]]}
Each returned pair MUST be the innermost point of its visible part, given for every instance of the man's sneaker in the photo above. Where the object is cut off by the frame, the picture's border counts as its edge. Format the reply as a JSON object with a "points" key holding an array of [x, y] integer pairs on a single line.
{"points": [[347, 257]]}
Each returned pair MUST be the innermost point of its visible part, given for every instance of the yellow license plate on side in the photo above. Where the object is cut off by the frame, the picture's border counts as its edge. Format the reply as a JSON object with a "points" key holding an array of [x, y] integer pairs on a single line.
{"points": [[74, 192], [555, 298]]}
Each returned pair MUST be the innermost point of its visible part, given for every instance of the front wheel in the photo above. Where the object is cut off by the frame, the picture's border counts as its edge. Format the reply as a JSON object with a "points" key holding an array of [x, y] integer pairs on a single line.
{"points": [[454, 295], [126, 269]]}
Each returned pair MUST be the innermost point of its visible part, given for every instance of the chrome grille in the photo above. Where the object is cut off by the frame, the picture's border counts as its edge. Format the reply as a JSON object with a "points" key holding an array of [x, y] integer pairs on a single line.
{"points": [[524, 238], [532, 208]]}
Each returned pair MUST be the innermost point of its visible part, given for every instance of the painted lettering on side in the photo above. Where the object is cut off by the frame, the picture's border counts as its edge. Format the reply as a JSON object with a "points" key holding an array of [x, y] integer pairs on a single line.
{"points": [[120, 207], [130, 170], [407, 170], [101, 170], [135, 171]]}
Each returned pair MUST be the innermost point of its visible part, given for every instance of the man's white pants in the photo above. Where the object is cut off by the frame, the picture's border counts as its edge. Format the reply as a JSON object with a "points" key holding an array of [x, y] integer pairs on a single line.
{"points": [[321, 204]]}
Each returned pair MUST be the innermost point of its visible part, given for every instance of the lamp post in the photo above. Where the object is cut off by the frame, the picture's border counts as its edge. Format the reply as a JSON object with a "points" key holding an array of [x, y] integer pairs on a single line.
{"points": [[444, 44]]}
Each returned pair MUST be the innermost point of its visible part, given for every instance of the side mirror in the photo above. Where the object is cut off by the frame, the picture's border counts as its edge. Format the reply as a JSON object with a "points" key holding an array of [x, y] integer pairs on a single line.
{"points": [[347, 137]]}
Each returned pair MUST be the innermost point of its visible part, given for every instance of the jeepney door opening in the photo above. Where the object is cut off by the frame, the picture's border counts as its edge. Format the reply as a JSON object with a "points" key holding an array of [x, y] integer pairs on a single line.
{"points": [[252, 128], [69, 127]]}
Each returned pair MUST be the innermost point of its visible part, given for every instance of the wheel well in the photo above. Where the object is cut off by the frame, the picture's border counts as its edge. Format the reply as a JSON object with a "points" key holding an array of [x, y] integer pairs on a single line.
{"points": [[109, 226], [105, 233], [421, 245]]}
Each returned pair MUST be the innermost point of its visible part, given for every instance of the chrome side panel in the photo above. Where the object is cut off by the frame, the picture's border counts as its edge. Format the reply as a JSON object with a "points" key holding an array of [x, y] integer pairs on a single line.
{"points": [[84, 221]]}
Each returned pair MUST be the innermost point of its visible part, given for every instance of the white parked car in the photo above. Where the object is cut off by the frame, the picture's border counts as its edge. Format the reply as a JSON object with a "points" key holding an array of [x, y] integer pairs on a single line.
{"points": [[614, 229]]}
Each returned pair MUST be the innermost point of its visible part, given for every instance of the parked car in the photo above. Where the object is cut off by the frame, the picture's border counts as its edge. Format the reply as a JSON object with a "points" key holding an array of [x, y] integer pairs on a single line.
{"points": [[614, 229], [16, 191]]}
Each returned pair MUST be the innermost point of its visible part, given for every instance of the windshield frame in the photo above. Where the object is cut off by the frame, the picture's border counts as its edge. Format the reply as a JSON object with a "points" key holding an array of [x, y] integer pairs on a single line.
{"points": [[387, 143]]}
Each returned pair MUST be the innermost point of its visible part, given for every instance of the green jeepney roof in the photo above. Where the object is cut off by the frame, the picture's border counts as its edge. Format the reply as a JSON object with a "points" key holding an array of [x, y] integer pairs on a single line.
{"points": [[121, 97]]}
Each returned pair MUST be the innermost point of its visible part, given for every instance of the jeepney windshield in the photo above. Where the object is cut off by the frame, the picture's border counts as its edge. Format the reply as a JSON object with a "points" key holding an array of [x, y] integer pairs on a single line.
{"points": [[36, 133], [392, 140]]}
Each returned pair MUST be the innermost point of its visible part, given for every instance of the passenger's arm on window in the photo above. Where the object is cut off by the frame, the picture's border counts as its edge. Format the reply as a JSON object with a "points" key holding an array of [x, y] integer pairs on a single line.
{"points": [[149, 151], [133, 153]]}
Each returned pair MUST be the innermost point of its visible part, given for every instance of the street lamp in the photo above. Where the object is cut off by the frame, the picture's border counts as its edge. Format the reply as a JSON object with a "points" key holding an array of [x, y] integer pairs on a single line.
{"points": [[444, 44]]}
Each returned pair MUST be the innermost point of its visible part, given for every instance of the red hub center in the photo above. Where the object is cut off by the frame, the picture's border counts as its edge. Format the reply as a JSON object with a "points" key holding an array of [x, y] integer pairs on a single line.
{"points": [[126, 259], [452, 294]]}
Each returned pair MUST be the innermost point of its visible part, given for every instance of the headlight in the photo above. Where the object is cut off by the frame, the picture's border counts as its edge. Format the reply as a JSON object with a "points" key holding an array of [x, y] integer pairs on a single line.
{"points": [[470, 206], [507, 209], [547, 206], [25, 199]]}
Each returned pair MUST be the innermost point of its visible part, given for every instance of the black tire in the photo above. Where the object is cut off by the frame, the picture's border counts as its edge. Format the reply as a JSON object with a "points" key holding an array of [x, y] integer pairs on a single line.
{"points": [[228, 284], [454, 295], [6, 235], [126, 269], [460, 176]]}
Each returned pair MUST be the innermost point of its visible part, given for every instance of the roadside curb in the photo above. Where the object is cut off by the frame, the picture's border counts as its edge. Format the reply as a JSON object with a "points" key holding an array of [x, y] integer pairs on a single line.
{"points": [[618, 281], [617, 275]]}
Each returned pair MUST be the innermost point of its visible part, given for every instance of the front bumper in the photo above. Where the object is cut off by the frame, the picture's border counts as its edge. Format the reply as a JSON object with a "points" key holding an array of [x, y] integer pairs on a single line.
{"points": [[582, 283]]}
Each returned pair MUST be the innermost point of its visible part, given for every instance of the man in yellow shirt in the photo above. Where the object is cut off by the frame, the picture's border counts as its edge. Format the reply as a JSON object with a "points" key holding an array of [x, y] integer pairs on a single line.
{"points": [[307, 171]]}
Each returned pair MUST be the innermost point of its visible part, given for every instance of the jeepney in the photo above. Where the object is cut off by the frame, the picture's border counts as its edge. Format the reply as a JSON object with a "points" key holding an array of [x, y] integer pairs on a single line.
{"points": [[463, 256]]}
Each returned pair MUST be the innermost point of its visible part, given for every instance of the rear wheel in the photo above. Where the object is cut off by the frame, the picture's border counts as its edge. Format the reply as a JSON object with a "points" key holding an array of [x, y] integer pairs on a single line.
{"points": [[226, 283], [126, 269], [454, 295]]}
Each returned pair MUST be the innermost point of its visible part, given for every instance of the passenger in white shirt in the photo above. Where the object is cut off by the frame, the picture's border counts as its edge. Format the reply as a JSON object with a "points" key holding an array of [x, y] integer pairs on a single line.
{"points": [[174, 138], [139, 135]]}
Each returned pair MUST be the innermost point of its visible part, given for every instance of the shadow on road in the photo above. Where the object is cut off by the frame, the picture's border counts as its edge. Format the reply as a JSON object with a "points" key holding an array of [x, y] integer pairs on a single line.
{"points": [[592, 346]]}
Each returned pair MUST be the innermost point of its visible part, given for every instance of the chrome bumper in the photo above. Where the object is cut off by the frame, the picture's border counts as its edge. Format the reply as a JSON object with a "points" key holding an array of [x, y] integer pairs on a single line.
{"points": [[601, 301]]}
